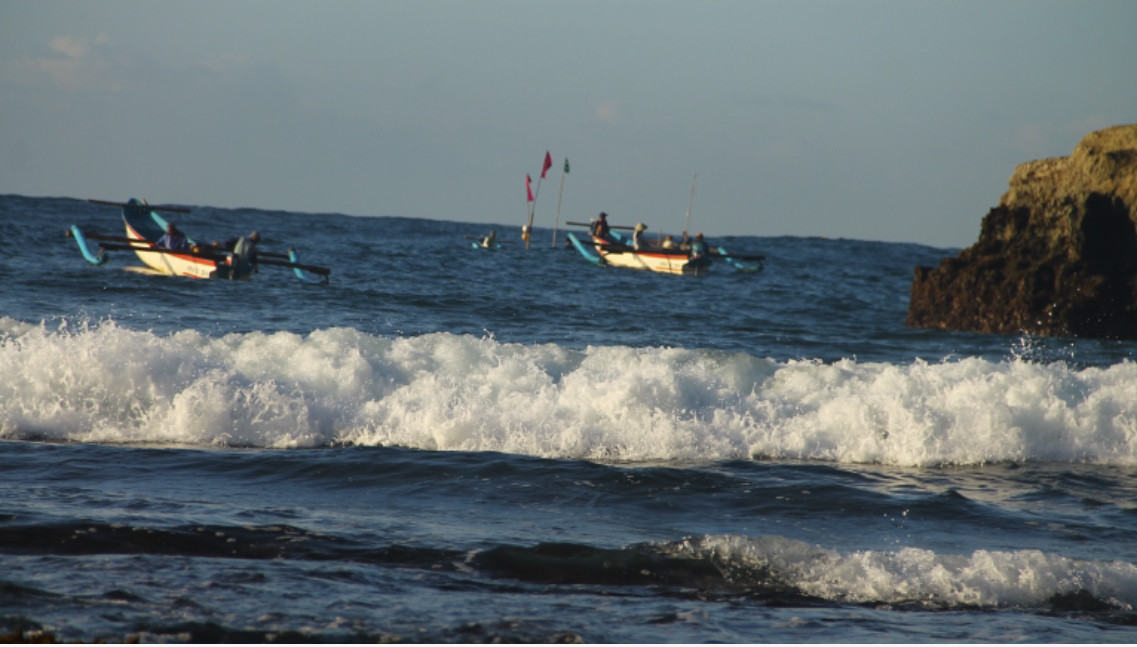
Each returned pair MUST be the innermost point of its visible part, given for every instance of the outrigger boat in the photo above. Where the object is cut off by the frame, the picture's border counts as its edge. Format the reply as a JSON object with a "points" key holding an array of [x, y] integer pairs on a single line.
{"points": [[145, 227], [616, 250], [484, 242]]}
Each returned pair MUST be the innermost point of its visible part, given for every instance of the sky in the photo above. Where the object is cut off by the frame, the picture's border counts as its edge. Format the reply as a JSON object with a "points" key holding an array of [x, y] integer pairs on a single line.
{"points": [[890, 120]]}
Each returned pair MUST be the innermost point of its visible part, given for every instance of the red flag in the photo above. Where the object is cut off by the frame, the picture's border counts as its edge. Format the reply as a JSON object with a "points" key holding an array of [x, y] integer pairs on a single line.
{"points": [[528, 189], [548, 163]]}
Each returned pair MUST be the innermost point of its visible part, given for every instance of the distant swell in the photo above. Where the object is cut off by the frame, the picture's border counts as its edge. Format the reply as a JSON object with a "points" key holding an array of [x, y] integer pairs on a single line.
{"points": [[209, 541], [768, 568], [105, 384]]}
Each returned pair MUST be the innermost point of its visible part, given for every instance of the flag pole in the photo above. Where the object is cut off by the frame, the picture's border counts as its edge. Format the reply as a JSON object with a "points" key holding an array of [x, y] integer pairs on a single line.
{"points": [[529, 199], [532, 209], [533, 203], [690, 202], [560, 193]]}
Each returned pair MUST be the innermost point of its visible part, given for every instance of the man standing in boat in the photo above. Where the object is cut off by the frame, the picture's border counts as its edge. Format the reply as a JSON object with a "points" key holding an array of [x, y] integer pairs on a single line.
{"points": [[600, 227], [639, 238], [244, 259], [698, 247], [245, 254]]}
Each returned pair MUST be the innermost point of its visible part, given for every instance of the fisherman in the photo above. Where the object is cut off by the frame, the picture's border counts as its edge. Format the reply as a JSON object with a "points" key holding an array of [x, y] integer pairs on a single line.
{"points": [[639, 239], [173, 239], [229, 243], [244, 259], [698, 247], [600, 227]]}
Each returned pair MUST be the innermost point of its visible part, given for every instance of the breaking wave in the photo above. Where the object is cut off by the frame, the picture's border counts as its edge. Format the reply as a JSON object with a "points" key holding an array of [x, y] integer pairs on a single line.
{"points": [[101, 383], [916, 576]]}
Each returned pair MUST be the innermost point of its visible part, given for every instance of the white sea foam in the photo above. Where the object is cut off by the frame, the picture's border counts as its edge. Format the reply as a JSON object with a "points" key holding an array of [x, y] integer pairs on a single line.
{"points": [[104, 383], [985, 578]]}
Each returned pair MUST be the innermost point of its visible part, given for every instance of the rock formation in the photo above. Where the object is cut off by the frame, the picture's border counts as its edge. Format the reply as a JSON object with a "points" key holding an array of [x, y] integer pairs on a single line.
{"points": [[1058, 256]]}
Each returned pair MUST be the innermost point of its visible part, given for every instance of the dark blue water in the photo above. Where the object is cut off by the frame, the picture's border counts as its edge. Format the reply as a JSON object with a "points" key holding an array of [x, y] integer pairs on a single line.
{"points": [[447, 444]]}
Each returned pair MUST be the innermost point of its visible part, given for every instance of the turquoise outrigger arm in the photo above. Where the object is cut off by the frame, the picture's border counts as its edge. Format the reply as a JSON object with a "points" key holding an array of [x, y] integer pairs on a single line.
{"points": [[586, 251], [301, 274], [738, 265], [94, 259]]}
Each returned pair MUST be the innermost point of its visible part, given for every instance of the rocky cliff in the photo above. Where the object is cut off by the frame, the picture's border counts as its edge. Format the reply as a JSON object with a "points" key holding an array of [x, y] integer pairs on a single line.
{"points": [[1057, 256]]}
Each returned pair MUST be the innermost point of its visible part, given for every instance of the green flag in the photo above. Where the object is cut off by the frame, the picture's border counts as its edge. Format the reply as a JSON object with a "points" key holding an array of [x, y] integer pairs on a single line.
{"points": [[566, 165]]}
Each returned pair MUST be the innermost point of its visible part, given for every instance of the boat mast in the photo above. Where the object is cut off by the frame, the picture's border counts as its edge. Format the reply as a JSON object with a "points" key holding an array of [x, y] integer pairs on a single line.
{"points": [[690, 202]]}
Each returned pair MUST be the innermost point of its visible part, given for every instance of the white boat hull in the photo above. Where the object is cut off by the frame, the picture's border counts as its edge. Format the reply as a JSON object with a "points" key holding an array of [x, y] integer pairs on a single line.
{"points": [[171, 264], [656, 260]]}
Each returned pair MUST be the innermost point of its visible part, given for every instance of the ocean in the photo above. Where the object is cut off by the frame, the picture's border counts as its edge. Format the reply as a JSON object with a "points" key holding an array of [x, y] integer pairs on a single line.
{"points": [[449, 444]]}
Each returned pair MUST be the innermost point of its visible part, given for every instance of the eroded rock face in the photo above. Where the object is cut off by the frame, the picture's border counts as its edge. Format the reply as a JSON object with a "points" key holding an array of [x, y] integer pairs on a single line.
{"points": [[1058, 256]]}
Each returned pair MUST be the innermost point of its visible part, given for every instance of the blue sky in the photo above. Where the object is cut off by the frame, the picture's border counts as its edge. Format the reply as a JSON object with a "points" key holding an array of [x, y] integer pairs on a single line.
{"points": [[876, 120]]}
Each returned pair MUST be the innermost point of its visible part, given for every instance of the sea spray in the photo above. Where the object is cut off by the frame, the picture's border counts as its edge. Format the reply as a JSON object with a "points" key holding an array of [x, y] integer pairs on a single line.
{"points": [[985, 578], [104, 383]]}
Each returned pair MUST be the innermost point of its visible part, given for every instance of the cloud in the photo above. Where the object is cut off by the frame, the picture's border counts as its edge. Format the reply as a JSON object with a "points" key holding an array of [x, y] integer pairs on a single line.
{"points": [[75, 64], [78, 64], [608, 112], [71, 46]]}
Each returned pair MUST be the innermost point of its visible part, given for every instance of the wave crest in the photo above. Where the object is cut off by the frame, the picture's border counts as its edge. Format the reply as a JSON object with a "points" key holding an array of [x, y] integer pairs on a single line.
{"points": [[915, 576], [103, 383]]}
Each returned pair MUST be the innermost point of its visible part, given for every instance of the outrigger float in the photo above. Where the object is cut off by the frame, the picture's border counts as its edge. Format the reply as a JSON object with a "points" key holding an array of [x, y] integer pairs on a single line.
{"points": [[617, 251], [144, 228]]}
